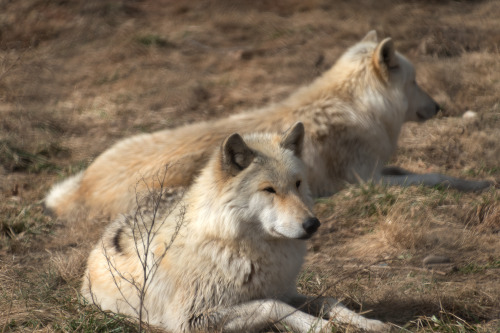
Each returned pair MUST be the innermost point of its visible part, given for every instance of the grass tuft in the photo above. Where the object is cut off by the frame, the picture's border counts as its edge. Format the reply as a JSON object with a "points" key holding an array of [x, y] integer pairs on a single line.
{"points": [[16, 159]]}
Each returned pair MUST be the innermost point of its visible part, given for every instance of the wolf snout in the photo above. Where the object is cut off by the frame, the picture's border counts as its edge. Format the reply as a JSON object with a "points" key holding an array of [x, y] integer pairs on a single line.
{"points": [[311, 225], [425, 113]]}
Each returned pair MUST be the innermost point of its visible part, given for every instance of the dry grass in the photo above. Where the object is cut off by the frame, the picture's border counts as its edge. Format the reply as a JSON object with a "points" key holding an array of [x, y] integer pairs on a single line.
{"points": [[76, 76], [380, 237]]}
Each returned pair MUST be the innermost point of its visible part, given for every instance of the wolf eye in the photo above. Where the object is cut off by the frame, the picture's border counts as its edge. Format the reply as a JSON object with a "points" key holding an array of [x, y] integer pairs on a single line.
{"points": [[297, 183], [270, 189]]}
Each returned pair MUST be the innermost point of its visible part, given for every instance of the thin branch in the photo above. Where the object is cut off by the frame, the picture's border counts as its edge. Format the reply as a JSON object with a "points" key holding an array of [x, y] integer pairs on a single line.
{"points": [[154, 206]]}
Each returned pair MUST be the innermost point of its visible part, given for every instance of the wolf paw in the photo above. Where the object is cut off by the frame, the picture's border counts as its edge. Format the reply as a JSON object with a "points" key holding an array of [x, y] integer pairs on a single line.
{"points": [[376, 326], [368, 325]]}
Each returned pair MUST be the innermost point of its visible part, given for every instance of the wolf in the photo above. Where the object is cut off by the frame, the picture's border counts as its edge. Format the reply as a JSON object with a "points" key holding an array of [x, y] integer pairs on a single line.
{"points": [[225, 256], [353, 114]]}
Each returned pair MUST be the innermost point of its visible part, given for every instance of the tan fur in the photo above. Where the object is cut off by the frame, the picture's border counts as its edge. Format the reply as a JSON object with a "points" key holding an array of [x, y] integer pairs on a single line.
{"points": [[233, 263], [353, 114]]}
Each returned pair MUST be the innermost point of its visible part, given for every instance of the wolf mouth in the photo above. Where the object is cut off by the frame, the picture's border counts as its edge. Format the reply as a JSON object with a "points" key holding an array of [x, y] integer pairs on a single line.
{"points": [[420, 117], [274, 232]]}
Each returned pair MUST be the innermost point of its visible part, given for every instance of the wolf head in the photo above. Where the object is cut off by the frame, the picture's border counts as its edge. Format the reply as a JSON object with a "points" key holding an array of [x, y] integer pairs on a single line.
{"points": [[261, 187], [378, 67], [396, 70]]}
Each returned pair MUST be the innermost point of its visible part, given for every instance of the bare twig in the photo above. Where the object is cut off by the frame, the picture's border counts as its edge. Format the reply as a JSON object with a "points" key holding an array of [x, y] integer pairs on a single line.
{"points": [[153, 209]]}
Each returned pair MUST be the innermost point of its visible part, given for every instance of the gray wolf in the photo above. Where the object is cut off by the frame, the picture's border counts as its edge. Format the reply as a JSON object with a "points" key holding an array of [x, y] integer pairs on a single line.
{"points": [[227, 255], [353, 114]]}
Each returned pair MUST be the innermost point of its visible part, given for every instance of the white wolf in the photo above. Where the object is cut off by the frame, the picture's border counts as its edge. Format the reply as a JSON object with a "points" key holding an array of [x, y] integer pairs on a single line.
{"points": [[232, 265], [353, 115]]}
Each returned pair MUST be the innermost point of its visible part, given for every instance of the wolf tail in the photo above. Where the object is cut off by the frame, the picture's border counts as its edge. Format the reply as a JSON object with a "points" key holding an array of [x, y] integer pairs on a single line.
{"points": [[62, 196]]}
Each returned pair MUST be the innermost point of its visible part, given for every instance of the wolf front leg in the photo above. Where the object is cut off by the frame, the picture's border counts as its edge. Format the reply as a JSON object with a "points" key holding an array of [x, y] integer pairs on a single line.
{"points": [[401, 177], [332, 309], [255, 315]]}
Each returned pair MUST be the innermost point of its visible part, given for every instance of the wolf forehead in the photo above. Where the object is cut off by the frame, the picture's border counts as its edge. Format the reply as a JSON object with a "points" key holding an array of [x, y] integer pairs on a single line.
{"points": [[271, 155]]}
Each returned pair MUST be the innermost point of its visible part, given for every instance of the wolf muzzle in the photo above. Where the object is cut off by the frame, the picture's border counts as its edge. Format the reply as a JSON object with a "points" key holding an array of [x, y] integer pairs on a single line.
{"points": [[311, 225]]}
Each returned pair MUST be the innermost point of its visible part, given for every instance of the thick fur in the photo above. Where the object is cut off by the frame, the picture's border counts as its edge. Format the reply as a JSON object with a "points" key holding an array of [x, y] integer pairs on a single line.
{"points": [[227, 254], [353, 114]]}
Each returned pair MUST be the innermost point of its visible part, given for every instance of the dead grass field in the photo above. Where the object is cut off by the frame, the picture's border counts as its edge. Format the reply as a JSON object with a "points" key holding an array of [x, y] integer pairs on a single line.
{"points": [[77, 76]]}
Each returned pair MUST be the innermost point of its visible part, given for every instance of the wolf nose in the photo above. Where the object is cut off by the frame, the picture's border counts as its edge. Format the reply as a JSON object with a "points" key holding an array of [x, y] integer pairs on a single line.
{"points": [[436, 107], [311, 225]]}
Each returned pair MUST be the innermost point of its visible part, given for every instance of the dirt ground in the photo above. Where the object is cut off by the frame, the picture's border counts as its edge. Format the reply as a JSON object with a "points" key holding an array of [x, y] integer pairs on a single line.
{"points": [[77, 76]]}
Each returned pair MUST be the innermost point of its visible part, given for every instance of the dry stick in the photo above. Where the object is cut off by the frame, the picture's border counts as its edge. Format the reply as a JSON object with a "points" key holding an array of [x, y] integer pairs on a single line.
{"points": [[144, 231], [413, 268], [150, 233]]}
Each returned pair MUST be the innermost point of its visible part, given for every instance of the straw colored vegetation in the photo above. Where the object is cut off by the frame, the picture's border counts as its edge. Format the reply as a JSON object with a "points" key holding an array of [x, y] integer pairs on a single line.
{"points": [[76, 76]]}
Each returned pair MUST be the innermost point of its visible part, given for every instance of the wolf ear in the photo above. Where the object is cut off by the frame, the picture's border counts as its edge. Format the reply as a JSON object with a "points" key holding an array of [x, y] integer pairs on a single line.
{"points": [[236, 155], [293, 138], [384, 58], [371, 36]]}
